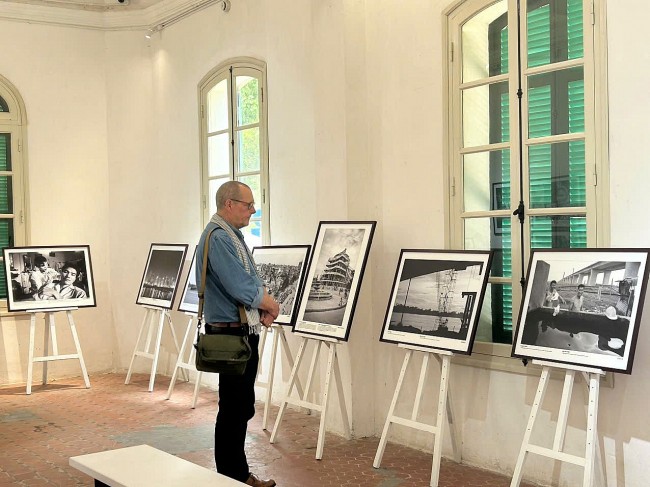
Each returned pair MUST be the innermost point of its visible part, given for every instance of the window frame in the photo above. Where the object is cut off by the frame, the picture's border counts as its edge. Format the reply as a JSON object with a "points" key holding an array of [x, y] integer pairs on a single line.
{"points": [[14, 122], [247, 67], [491, 354]]}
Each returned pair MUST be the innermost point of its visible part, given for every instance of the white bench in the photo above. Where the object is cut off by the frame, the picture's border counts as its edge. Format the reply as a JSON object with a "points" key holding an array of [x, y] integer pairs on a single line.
{"points": [[145, 466]]}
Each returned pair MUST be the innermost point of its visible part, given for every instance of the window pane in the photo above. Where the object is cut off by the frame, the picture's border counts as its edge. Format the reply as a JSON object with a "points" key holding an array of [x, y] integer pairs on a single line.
{"points": [[218, 107], [485, 43], [248, 100], [495, 322], [5, 152], [253, 233], [486, 180], [218, 155], [248, 144], [213, 186], [486, 115], [254, 183], [6, 195], [556, 103], [555, 31], [4, 107], [557, 175], [491, 234], [558, 232]]}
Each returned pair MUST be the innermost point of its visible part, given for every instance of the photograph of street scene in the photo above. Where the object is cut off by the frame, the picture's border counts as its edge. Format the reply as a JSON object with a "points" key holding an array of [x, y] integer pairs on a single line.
{"points": [[281, 268], [436, 295], [583, 304]]}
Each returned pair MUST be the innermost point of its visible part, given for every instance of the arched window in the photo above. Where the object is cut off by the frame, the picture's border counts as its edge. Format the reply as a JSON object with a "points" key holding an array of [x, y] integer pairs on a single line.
{"points": [[561, 51], [12, 162], [234, 138]]}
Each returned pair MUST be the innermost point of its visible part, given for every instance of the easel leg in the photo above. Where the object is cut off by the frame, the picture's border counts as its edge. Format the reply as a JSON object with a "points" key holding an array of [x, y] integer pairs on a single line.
{"points": [[331, 356], [75, 337], [156, 353], [289, 358], [539, 398], [178, 350], [269, 387], [339, 389], [30, 363], [49, 331], [196, 389], [179, 360], [292, 380], [453, 433], [441, 420], [391, 411], [312, 370], [592, 420], [145, 322]]}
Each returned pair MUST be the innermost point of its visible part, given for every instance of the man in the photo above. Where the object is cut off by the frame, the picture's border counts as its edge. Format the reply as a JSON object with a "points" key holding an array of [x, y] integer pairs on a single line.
{"points": [[65, 288], [232, 280], [577, 300]]}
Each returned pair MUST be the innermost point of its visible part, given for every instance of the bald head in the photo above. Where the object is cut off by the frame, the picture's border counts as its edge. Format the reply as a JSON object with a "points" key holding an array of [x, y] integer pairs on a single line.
{"points": [[230, 190]]}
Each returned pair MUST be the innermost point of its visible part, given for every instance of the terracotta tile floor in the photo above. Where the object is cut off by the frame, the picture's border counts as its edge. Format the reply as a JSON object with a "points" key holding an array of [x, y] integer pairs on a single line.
{"points": [[38, 434]]}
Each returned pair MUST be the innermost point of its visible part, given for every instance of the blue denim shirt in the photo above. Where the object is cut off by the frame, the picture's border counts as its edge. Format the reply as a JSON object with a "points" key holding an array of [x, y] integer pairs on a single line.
{"points": [[227, 282]]}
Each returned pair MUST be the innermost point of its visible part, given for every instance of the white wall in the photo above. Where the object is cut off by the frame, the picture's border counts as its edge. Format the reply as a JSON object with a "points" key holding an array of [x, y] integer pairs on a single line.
{"points": [[355, 96], [60, 74]]}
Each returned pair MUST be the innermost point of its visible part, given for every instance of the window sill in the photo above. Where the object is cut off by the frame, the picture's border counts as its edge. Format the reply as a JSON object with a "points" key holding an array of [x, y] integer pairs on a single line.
{"points": [[496, 356]]}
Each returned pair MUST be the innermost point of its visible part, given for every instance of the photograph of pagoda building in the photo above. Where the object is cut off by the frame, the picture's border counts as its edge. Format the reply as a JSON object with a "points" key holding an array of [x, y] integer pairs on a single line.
{"points": [[330, 288]]}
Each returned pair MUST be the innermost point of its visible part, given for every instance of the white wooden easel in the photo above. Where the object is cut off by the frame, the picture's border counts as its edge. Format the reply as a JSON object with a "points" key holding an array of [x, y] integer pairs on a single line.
{"points": [[50, 333], [592, 377], [152, 317], [279, 339], [332, 369], [444, 413], [189, 365]]}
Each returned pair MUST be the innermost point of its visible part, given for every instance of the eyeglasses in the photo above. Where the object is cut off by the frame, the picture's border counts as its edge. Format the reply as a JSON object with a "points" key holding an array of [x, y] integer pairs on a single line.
{"points": [[251, 205]]}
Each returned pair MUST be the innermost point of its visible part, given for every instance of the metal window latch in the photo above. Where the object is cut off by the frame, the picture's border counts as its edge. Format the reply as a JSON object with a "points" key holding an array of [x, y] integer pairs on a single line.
{"points": [[520, 212]]}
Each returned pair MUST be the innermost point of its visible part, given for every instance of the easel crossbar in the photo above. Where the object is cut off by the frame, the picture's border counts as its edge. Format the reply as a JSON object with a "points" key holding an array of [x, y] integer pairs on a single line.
{"points": [[55, 357], [429, 428], [305, 404], [556, 455]]}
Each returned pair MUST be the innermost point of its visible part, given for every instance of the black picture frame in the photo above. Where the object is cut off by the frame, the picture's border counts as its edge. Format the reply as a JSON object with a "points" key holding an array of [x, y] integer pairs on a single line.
{"points": [[161, 275], [189, 302], [594, 327], [282, 268], [330, 295], [64, 278], [446, 288]]}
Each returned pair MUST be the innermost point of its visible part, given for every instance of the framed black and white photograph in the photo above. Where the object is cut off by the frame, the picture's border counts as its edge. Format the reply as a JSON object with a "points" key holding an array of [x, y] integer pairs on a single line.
{"points": [[40, 278], [334, 278], [583, 307], [282, 269], [161, 274], [436, 299], [190, 300]]}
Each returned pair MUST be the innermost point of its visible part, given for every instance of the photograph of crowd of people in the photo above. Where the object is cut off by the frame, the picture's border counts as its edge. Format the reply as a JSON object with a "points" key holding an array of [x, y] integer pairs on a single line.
{"points": [[436, 299], [282, 269], [161, 273], [339, 255], [48, 277], [582, 307]]}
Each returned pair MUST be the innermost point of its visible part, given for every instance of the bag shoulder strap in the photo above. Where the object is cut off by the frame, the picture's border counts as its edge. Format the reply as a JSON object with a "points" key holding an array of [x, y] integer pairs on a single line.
{"points": [[204, 271]]}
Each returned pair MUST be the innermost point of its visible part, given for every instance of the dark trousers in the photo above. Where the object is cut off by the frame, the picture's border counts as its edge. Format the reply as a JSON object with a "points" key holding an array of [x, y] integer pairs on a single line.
{"points": [[236, 407]]}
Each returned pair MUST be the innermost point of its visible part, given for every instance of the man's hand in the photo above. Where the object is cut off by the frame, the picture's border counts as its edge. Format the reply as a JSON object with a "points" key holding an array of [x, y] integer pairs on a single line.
{"points": [[270, 305], [266, 319]]}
